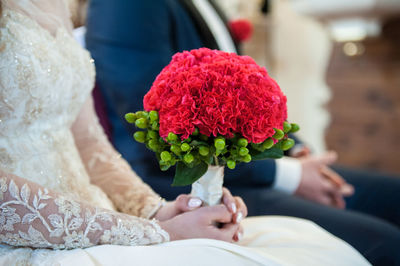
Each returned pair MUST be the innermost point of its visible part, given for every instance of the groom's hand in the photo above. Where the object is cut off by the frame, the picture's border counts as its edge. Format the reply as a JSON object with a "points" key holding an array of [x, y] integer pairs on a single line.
{"points": [[321, 184]]}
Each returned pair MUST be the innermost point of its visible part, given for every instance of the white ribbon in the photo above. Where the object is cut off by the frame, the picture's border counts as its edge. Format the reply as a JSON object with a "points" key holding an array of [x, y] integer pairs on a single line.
{"points": [[209, 187]]}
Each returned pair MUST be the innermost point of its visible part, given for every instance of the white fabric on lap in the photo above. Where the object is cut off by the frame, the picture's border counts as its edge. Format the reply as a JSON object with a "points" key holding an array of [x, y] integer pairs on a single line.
{"points": [[271, 240]]}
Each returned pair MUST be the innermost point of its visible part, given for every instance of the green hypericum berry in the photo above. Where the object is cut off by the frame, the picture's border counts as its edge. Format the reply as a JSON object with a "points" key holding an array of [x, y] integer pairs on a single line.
{"points": [[185, 147], [130, 118], [139, 114], [278, 134], [219, 143], [267, 144], [165, 156], [172, 137], [176, 149], [142, 114], [141, 123], [153, 144], [164, 166], [295, 128], [204, 151], [286, 127], [195, 132], [243, 151], [188, 158], [152, 134], [287, 144], [231, 164], [247, 158], [242, 142], [140, 136], [154, 126], [153, 115]]}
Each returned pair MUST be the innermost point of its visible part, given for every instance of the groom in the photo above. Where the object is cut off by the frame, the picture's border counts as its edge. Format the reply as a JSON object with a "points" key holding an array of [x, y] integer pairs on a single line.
{"points": [[132, 40]]}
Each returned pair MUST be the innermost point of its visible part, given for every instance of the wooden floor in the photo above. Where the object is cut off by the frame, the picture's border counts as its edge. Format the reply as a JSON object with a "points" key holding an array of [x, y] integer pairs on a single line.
{"points": [[365, 105]]}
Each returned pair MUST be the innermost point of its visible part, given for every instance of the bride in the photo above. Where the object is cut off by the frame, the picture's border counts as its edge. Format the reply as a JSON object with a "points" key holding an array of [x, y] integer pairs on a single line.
{"points": [[66, 196]]}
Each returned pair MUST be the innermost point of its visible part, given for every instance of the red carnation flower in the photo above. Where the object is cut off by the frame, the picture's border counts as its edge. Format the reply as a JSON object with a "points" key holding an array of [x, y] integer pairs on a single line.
{"points": [[241, 29], [219, 93]]}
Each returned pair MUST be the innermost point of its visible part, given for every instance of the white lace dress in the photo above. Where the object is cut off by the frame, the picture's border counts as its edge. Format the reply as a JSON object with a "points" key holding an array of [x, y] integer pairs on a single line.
{"points": [[60, 196]]}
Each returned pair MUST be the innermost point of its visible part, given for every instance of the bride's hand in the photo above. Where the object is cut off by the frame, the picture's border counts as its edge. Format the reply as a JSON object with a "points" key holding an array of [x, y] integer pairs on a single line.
{"points": [[235, 205], [184, 203], [200, 223]]}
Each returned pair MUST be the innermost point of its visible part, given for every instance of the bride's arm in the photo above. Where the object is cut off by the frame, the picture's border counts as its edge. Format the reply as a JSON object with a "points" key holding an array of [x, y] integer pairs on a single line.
{"points": [[108, 170], [33, 216]]}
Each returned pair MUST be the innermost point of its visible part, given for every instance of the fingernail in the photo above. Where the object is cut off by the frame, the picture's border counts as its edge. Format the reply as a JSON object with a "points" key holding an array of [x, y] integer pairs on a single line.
{"points": [[234, 209], [194, 203], [239, 236], [239, 217], [347, 189]]}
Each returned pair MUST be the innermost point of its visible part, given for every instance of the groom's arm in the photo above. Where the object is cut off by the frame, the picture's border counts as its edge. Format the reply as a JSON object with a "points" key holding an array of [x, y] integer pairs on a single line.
{"points": [[130, 43]]}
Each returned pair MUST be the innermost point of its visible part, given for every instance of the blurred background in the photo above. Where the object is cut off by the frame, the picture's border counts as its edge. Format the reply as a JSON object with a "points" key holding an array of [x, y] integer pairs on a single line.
{"points": [[338, 62]]}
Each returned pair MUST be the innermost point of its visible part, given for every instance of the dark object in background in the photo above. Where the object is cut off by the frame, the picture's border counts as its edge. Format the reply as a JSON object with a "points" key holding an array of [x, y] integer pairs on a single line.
{"points": [[266, 7]]}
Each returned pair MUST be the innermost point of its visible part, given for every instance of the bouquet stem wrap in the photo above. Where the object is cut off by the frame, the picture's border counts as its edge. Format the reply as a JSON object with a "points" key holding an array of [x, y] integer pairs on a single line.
{"points": [[209, 187]]}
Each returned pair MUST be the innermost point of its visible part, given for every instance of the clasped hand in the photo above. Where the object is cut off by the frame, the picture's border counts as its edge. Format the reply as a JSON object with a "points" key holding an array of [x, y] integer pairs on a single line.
{"points": [[319, 183], [185, 218]]}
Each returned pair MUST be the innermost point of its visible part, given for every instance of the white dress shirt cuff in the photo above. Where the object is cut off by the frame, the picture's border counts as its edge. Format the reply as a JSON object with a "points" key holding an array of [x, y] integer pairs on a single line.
{"points": [[288, 175]]}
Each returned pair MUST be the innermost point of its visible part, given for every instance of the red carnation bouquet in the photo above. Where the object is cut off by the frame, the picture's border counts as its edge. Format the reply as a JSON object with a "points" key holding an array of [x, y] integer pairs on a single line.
{"points": [[208, 109]]}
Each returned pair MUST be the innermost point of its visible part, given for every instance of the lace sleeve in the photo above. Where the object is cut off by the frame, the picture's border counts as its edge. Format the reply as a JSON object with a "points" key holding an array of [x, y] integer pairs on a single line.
{"points": [[109, 170], [33, 216]]}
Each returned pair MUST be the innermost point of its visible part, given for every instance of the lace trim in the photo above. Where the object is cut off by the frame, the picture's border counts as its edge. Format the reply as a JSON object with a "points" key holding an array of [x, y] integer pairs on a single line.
{"points": [[71, 226]]}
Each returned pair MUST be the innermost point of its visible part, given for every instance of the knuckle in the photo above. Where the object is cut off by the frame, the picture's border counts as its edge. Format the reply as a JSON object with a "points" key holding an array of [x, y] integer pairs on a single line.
{"points": [[181, 197], [227, 199], [239, 199]]}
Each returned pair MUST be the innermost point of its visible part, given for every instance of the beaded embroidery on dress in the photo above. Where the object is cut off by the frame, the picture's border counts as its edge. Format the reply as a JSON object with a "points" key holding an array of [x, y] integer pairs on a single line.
{"points": [[67, 220], [45, 81]]}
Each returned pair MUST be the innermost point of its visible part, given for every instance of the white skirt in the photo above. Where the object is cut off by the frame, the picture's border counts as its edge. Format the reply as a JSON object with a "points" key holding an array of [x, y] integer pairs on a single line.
{"points": [[268, 240]]}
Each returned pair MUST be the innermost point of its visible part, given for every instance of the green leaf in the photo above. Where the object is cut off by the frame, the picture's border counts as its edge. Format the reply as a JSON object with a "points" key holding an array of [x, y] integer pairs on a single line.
{"points": [[257, 147], [274, 153], [185, 175]]}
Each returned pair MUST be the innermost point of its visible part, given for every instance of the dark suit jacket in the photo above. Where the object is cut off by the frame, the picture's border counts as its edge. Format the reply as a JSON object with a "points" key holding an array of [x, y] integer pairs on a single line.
{"points": [[131, 41]]}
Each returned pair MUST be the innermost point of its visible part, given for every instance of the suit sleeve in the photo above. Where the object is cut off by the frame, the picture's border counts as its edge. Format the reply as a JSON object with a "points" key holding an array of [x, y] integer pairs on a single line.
{"points": [[256, 173], [131, 43]]}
